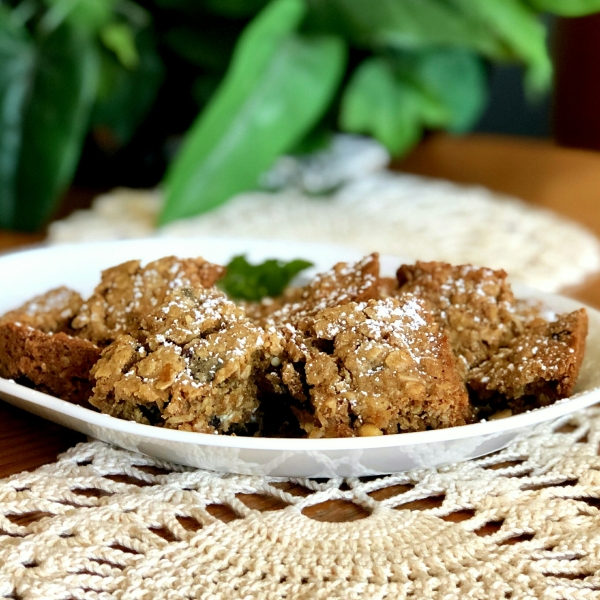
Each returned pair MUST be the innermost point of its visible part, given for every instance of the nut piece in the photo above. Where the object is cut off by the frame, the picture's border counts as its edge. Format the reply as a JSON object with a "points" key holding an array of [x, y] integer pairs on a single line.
{"points": [[369, 430], [501, 414]]}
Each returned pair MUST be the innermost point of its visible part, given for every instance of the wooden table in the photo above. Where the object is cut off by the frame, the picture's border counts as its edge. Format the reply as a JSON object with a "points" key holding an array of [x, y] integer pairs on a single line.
{"points": [[567, 181]]}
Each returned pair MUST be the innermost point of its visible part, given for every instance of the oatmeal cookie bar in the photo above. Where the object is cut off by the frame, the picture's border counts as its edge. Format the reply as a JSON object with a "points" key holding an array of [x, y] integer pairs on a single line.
{"points": [[49, 312], [511, 356], [537, 367], [192, 367], [369, 368], [345, 282], [128, 292], [37, 350], [475, 306]]}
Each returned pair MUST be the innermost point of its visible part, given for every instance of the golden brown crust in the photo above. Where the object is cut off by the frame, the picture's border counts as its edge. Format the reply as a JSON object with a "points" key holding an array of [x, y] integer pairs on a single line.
{"points": [[55, 363], [128, 292], [49, 312], [345, 282]]}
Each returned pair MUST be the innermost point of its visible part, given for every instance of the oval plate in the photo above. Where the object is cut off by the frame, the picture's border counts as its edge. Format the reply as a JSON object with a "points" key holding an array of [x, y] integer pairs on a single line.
{"points": [[27, 273]]}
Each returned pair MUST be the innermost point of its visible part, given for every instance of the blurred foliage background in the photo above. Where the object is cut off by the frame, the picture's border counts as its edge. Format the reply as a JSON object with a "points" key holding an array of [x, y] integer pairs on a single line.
{"points": [[204, 95]]}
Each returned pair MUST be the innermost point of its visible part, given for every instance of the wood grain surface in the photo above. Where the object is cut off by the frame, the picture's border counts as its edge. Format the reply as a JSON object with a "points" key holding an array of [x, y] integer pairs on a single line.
{"points": [[567, 181]]}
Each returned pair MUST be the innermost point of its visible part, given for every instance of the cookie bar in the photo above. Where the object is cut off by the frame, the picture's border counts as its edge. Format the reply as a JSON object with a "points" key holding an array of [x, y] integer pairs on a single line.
{"points": [[475, 306], [128, 292], [345, 282], [58, 364], [49, 312], [369, 368], [537, 367], [192, 366], [37, 350]]}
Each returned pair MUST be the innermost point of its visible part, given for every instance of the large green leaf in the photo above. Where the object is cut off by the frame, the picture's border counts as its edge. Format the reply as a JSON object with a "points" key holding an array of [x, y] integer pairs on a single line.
{"points": [[126, 95], [454, 76], [566, 8], [403, 24], [520, 30], [85, 15], [277, 87], [16, 66], [380, 102], [56, 115]]}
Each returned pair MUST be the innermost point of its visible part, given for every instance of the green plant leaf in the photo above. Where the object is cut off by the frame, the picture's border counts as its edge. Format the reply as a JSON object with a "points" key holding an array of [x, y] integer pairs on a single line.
{"points": [[16, 66], [520, 30], [402, 24], [126, 95], [566, 8], [454, 76], [245, 281], [277, 87], [380, 102], [85, 15], [119, 38], [56, 115]]}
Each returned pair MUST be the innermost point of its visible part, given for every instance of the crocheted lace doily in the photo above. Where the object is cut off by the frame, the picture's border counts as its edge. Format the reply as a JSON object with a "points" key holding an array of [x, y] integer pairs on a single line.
{"points": [[108, 523], [363, 205]]}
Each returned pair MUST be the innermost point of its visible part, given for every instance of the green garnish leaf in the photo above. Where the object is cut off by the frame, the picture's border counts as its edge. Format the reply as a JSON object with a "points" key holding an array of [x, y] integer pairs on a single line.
{"points": [[245, 281]]}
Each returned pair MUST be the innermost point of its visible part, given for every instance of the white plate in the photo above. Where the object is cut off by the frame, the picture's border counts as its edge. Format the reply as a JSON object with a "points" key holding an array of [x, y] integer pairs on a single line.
{"points": [[27, 273]]}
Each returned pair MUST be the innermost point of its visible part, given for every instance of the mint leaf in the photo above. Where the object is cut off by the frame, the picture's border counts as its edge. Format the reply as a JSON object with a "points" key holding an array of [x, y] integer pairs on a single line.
{"points": [[246, 281]]}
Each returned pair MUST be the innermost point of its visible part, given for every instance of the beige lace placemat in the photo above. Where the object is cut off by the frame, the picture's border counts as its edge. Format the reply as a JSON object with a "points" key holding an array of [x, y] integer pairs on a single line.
{"points": [[107, 523]]}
